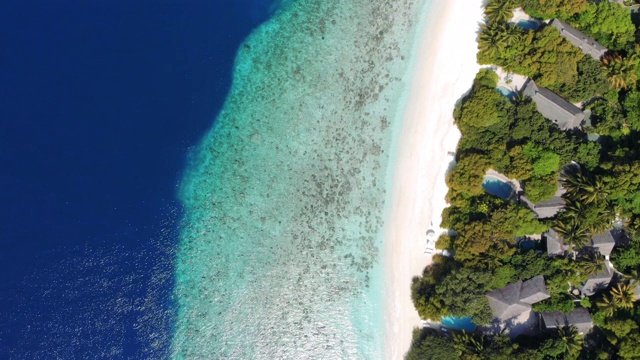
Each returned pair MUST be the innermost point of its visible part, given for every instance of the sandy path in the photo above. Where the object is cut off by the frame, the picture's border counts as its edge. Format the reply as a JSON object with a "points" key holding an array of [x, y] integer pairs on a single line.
{"points": [[445, 69]]}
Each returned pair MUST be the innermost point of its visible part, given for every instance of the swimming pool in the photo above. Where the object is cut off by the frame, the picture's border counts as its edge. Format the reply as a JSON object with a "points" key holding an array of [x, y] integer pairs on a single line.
{"points": [[464, 323], [496, 187], [528, 24], [506, 92], [528, 244]]}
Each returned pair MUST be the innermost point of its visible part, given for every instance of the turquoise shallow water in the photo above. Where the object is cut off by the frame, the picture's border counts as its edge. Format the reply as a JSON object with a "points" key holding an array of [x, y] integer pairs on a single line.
{"points": [[280, 252]]}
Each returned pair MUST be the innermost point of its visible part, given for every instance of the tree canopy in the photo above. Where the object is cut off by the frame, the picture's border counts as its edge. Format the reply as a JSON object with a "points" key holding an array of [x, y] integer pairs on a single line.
{"points": [[549, 9], [513, 138], [608, 23]]}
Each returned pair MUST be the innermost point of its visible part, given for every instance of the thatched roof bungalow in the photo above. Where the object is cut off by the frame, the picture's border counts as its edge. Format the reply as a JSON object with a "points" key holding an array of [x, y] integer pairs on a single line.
{"points": [[553, 107], [514, 299], [579, 317], [578, 38]]}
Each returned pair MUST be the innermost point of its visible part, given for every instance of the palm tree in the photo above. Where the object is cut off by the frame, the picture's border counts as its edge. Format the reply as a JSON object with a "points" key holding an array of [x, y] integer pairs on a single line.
{"points": [[607, 305], [574, 179], [594, 220], [580, 185], [591, 263], [519, 98], [599, 220], [499, 10], [494, 37], [595, 191], [623, 295], [487, 41], [633, 275], [511, 34], [467, 341], [620, 71], [571, 232], [575, 209], [571, 340]]}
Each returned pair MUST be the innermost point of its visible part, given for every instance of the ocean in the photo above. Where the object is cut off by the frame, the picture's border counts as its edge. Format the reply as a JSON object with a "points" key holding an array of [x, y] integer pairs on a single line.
{"points": [[100, 103], [198, 179], [280, 253]]}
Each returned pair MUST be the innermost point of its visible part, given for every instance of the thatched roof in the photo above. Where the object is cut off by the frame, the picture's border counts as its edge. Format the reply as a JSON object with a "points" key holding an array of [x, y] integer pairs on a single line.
{"points": [[597, 282], [553, 107], [578, 38], [533, 290], [555, 244], [580, 318], [604, 242], [516, 298]]}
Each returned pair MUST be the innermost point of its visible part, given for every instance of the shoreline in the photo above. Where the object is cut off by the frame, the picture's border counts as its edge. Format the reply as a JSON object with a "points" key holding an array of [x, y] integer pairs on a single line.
{"points": [[445, 66]]}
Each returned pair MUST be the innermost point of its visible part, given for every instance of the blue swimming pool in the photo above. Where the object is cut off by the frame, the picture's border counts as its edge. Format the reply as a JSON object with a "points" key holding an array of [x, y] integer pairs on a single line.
{"points": [[496, 187], [528, 24], [506, 92], [528, 244], [456, 323]]}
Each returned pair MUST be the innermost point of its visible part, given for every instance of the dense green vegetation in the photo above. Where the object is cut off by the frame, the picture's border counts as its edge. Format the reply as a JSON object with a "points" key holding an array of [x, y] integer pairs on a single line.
{"points": [[545, 57], [522, 144], [552, 61], [608, 23], [616, 337], [513, 138], [549, 9]]}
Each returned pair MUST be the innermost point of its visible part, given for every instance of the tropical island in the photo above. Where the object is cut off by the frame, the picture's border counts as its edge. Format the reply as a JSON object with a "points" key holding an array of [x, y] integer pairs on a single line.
{"points": [[543, 248]]}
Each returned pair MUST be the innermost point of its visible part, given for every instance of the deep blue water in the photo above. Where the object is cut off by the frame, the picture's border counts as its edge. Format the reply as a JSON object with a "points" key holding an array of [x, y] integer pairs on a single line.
{"points": [[100, 102]]}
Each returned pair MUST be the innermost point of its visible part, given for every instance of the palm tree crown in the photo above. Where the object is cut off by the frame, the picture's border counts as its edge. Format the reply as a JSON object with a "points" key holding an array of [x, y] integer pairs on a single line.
{"points": [[582, 186], [591, 263], [572, 232], [620, 71], [623, 295], [499, 10], [495, 37], [571, 340], [607, 305]]}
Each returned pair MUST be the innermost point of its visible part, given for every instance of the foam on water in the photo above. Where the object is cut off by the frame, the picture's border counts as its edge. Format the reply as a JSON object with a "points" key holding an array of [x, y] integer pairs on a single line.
{"points": [[285, 197]]}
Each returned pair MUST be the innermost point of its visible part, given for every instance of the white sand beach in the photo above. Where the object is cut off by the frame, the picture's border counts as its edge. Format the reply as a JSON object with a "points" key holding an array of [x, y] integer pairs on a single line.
{"points": [[445, 69]]}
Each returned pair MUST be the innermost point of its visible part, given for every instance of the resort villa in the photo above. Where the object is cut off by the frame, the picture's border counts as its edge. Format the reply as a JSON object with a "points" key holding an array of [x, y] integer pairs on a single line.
{"points": [[598, 282], [579, 317], [603, 243], [581, 40], [517, 298], [553, 107], [511, 305], [555, 245], [547, 208]]}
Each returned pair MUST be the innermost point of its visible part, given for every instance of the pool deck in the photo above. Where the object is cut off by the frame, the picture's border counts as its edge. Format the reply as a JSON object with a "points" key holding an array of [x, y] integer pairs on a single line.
{"points": [[520, 15], [516, 83]]}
